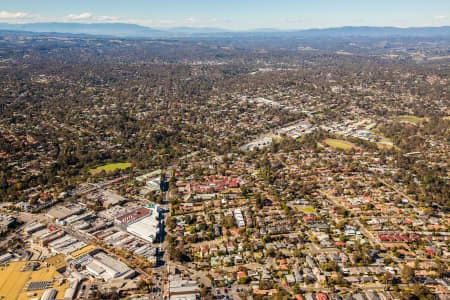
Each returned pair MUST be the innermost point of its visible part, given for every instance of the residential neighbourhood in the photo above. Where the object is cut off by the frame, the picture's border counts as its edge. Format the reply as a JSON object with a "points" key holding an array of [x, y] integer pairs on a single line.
{"points": [[253, 166]]}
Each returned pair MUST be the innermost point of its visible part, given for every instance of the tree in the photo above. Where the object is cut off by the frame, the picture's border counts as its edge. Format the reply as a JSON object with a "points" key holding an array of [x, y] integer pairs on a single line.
{"points": [[387, 280], [296, 289], [142, 285], [271, 252], [407, 274], [244, 280], [417, 292], [441, 268]]}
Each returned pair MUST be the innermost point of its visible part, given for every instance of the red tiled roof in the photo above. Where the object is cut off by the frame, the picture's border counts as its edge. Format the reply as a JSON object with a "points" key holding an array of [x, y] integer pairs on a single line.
{"points": [[132, 216]]}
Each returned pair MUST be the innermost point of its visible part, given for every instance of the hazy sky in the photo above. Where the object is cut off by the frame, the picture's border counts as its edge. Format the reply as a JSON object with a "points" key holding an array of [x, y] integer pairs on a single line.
{"points": [[233, 14]]}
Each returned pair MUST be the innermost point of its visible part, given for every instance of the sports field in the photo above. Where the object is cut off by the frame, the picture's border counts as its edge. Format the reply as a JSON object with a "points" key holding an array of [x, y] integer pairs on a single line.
{"points": [[411, 119], [309, 210], [340, 144], [110, 167]]}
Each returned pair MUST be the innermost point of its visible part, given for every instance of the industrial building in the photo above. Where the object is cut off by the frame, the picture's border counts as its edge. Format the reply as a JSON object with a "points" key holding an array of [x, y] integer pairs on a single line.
{"points": [[7, 222], [106, 197], [33, 227], [6, 257], [107, 268], [146, 228], [179, 288], [63, 212], [49, 237], [72, 289], [125, 220], [49, 294], [143, 223], [66, 245]]}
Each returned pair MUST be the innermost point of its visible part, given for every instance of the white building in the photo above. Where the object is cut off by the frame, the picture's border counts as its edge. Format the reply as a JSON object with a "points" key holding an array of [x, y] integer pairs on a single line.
{"points": [[71, 290], [146, 228], [107, 268], [239, 218], [49, 294]]}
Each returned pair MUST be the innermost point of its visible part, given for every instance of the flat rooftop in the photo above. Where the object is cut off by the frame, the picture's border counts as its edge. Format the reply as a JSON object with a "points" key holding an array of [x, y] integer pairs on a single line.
{"points": [[62, 212], [133, 216], [15, 277]]}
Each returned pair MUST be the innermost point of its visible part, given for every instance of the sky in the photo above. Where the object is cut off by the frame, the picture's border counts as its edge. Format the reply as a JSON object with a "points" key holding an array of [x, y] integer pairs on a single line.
{"points": [[232, 14]]}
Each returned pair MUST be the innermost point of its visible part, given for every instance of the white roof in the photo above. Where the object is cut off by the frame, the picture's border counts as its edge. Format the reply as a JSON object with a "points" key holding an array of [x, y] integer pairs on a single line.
{"points": [[183, 297], [95, 268], [147, 228]]}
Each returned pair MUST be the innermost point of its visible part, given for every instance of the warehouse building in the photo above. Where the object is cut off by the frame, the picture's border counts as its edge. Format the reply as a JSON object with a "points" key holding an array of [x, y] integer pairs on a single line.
{"points": [[143, 223], [106, 267], [49, 294], [179, 288], [72, 289], [64, 212], [146, 228], [33, 227], [7, 222]]}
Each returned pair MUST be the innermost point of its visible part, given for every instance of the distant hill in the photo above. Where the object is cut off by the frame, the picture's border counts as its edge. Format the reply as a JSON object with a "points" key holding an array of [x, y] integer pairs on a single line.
{"points": [[113, 29], [377, 31], [265, 30], [194, 30], [133, 30]]}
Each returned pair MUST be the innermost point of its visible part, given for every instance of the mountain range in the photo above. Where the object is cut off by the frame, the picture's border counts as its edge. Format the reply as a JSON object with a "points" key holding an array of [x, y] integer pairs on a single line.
{"points": [[133, 30]]}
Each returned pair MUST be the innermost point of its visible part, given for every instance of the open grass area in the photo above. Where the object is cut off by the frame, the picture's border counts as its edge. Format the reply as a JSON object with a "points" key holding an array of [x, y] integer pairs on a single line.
{"points": [[411, 119], [340, 144], [110, 167], [343, 53], [438, 57], [384, 143], [308, 210]]}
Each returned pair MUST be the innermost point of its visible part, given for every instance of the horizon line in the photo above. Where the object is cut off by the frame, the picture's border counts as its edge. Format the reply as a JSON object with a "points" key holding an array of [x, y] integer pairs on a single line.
{"points": [[229, 29]]}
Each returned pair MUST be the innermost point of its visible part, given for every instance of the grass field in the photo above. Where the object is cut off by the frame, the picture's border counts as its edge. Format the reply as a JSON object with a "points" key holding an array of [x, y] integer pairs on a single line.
{"points": [[411, 119], [309, 210], [110, 167], [439, 57], [385, 143], [340, 144], [343, 53]]}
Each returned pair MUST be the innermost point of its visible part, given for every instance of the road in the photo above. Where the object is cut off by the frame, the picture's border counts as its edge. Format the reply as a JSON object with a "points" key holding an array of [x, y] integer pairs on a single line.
{"points": [[412, 202], [372, 240]]}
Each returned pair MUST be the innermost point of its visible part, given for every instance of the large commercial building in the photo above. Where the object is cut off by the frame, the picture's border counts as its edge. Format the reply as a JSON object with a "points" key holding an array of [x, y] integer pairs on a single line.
{"points": [[181, 289], [33, 227], [143, 223], [49, 237], [127, 219], [72, 289], [64, 212], [147, 228], [49, 294], [7, 222], [106, 267]]}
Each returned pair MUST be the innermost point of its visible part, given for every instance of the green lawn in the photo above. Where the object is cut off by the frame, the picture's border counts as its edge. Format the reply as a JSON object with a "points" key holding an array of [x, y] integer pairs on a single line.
{"points": [[110, 167], [340, 144], [309, 209], [411, 119]]}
